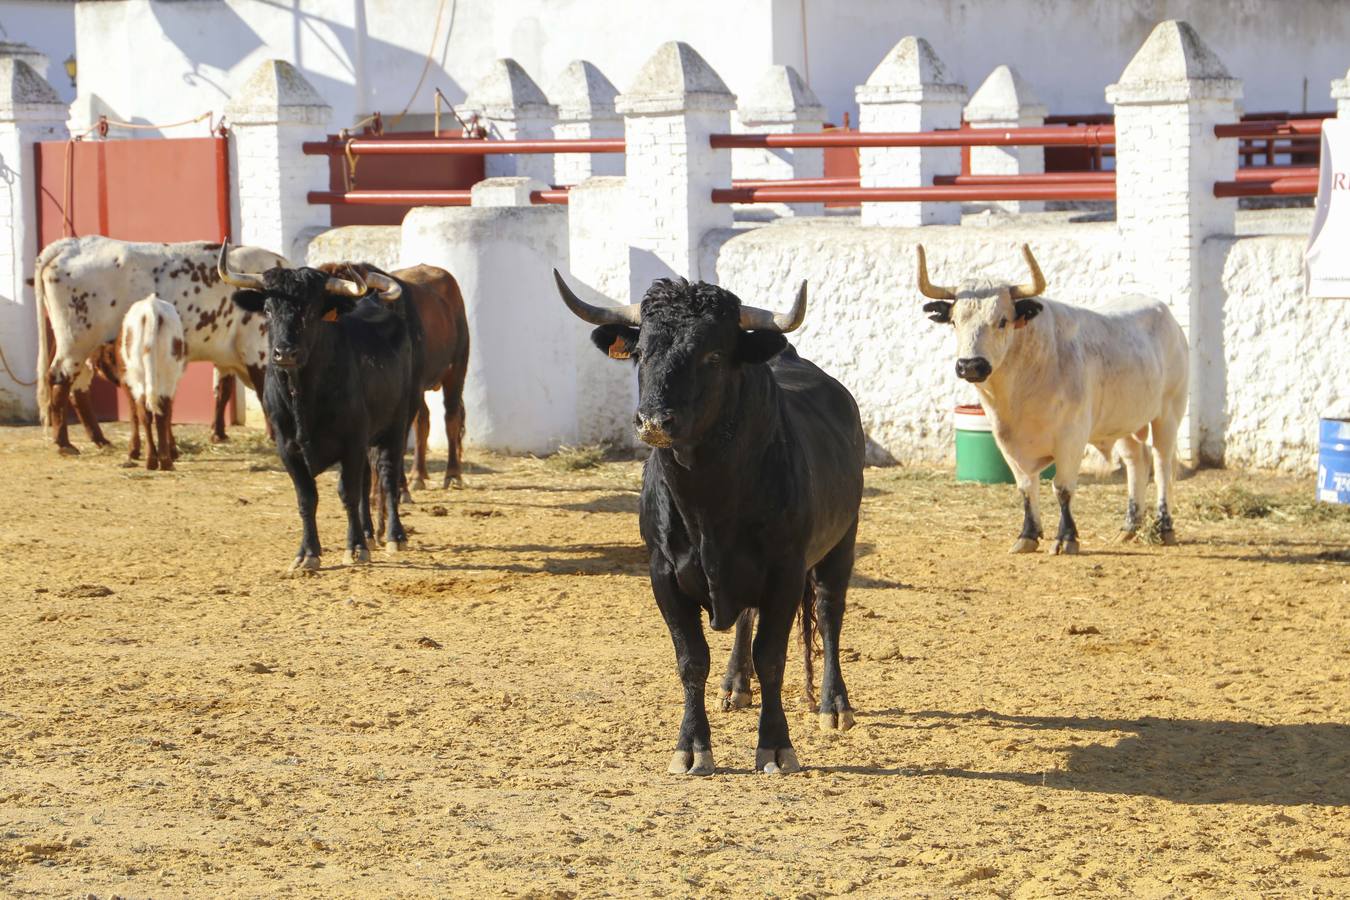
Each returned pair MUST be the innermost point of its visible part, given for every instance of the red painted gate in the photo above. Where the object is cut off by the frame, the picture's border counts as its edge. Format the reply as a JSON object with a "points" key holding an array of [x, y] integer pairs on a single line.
{"points": [[154, 189]]}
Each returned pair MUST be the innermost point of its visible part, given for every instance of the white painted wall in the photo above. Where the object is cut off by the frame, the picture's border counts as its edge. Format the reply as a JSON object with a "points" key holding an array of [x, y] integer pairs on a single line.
{"points": [[1282, 367], [515, 398], [364, 56], [1068, 50]]}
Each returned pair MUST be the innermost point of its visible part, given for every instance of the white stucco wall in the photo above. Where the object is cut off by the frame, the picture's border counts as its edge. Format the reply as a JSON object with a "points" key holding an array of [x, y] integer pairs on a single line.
{"points": [[864, 323], [367, 56], [514, 398], [1282, 365], [1068, 50]]}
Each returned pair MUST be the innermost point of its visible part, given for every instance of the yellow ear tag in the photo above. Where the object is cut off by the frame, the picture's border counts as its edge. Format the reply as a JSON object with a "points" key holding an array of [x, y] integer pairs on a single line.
{"points": [[330, 316], [617, 351]]}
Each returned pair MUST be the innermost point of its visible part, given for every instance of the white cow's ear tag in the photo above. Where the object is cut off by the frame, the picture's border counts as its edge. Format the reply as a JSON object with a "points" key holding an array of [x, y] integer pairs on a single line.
{"points": [[619, 349]]}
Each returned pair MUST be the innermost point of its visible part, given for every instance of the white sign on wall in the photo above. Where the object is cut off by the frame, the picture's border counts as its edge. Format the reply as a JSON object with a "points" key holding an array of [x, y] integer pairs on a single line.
{"points": [[1327, 260]]}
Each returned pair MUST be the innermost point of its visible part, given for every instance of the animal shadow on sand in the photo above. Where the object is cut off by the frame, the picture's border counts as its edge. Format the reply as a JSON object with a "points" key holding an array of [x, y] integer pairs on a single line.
{"points": [[1182, 760]]}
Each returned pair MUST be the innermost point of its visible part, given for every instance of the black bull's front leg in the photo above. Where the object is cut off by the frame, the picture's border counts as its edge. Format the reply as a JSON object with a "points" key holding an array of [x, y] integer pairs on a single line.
{"points": [[693, 747]]}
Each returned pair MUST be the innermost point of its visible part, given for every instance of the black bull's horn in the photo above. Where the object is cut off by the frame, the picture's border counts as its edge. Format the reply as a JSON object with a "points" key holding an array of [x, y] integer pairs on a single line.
{"points": [[251, 281], [752, 317]]}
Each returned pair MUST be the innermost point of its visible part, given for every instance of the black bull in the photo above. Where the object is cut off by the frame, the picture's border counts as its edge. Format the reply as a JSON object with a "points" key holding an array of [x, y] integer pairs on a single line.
{"points": [[340, 382], [749, 499]]}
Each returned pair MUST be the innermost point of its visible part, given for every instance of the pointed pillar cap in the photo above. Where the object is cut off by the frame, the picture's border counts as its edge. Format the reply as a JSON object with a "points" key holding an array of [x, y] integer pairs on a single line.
{"points": [[675, 79], [781, 95], [1004, 96], [582, 92], [1174, 65], [507, 91], [910, 73], [277, 92]]}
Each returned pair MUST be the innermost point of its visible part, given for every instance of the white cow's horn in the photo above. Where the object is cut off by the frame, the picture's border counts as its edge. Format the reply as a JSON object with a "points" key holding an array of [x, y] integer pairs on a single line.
{"points": [[1037, 286], [926, 287]]}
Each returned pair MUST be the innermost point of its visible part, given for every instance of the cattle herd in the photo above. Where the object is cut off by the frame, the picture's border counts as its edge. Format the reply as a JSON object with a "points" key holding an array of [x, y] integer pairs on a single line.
{"points": [[750, 496]]}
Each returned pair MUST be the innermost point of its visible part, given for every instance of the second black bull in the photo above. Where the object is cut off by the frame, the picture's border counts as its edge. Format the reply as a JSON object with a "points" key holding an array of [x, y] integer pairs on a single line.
{"points": [[749, 500]]}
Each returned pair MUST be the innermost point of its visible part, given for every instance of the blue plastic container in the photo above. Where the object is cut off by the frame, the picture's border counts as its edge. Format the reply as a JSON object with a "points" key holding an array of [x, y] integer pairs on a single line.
{"points": [[1333, 463]]}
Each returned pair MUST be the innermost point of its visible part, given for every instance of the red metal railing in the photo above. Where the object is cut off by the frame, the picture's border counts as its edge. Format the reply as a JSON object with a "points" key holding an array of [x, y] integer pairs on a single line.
{"points": [[1074, 136], [457, 147], [943, 194], [1271, 180]]}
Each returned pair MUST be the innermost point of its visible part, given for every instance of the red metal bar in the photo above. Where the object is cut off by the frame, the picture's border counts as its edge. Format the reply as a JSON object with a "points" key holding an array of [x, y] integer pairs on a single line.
{"points": [[1084, 177], [1270, 128], [1277, 188], [844, 181], [1274, 173], [1057, 136], [950, 194], [390, 198], [459, 147], [556, 195]]}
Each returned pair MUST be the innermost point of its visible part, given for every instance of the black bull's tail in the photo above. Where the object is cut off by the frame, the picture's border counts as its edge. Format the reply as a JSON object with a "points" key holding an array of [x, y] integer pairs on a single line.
{"points": [[806, 616]]}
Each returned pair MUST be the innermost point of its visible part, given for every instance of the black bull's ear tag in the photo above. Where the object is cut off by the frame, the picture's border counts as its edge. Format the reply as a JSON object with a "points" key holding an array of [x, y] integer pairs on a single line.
{"points": [[619, 349]]}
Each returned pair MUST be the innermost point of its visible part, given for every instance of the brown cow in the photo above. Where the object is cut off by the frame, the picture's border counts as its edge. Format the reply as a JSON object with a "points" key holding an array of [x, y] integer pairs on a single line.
{"points": [[444, 357]]}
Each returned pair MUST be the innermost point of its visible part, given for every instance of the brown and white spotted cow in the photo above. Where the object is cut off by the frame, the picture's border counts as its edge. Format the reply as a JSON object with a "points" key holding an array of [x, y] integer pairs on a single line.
{"points": [[153, 355], [85, 285]]}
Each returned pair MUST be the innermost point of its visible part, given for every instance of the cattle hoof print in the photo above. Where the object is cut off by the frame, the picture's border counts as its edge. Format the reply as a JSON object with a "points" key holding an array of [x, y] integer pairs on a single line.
{"points": [[1025, 545], [1169, 538], [685, 762], [308, 563], [780, 761], [836, 721], [735, 700], [358, 555], [1065, 548]]}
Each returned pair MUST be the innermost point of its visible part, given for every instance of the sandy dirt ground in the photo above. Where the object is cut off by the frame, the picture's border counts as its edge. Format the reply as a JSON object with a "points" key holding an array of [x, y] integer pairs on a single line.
{"points": [[492, 713]]}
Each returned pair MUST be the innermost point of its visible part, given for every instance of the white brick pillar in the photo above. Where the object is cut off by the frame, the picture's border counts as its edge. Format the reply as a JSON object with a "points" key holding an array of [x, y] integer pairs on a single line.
{"points": [[676, 102], [1007, 101], [1340, 92], [598, 260], [909, 91], [513, 108], [270, 116], [781, 103], [1167, 102], [30, 111], [585, 102]]}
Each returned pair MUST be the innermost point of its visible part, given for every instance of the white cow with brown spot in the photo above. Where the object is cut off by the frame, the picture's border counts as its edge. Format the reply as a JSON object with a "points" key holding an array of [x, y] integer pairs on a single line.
{"points": [[154, 354], [84, 286], [1054, 378]]}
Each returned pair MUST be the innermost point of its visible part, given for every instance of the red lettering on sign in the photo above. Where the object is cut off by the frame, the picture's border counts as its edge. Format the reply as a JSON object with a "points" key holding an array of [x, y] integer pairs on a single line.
{"points": [[1338, 181]]}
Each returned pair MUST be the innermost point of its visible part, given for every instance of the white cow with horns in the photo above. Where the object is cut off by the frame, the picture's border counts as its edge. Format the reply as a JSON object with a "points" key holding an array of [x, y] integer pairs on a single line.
{"points": [[85, 285], [1054, 378]]}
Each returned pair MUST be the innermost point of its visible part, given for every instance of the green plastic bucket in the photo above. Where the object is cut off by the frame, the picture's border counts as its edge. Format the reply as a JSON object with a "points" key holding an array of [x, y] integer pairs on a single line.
{"points": [[977, 455]]}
